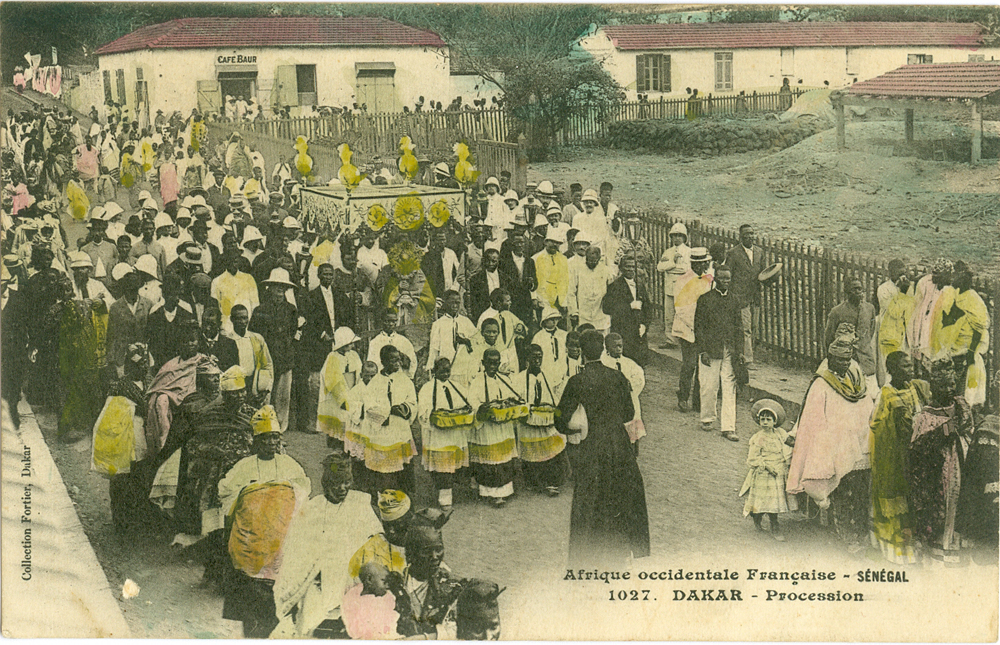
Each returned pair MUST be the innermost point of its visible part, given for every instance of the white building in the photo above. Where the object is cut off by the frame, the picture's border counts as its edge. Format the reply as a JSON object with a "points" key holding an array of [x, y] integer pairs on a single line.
{"points": [[280, 61], [724, 58]]}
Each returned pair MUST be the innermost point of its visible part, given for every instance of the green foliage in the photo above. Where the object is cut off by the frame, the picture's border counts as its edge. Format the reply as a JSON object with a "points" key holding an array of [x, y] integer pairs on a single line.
{"points": [[545, 95], [709, 137]]}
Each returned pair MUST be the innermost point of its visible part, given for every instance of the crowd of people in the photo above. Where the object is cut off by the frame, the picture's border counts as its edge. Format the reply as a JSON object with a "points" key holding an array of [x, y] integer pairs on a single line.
{"points": [[893, 444], [198, 320]]}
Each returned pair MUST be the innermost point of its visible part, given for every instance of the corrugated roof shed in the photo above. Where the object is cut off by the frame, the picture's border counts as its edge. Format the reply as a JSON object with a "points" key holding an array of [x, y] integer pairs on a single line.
{"points": [[939, 80], [795, 34], [308, 31]]}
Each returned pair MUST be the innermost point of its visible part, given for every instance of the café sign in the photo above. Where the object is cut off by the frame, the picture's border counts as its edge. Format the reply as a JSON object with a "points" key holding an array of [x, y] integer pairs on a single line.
{"points": [[237, 59]]}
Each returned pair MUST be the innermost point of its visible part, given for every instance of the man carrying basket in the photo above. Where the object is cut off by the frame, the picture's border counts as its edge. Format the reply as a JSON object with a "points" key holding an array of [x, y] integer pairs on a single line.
{"points": [[492, 442], [446, 418], [541, 446]]}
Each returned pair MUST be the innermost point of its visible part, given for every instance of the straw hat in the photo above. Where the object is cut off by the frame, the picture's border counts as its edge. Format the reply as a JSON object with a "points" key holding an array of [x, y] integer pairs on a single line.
{"points": [[772, 406]]}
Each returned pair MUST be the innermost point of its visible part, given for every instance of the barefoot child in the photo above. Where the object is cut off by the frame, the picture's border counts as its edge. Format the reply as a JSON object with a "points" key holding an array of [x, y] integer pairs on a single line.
{"points": [[768, 460]]}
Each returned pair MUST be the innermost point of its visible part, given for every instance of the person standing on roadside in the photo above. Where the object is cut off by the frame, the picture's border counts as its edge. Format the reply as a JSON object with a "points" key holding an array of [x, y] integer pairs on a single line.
{"points": [[718, 333], [746, 262], [674, 263]]}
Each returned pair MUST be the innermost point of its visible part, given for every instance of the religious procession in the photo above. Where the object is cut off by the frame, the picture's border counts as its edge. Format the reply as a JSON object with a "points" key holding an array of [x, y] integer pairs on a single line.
{"points": [[444, 343]]}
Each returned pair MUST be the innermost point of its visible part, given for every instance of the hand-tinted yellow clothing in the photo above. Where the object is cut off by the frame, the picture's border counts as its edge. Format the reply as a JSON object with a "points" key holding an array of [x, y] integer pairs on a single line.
{"points": [[552, 273], [892, 332]]}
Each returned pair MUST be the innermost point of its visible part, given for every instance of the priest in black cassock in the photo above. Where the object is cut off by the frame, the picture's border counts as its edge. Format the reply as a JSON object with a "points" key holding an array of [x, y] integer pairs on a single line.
{"points": [[608, 521]]}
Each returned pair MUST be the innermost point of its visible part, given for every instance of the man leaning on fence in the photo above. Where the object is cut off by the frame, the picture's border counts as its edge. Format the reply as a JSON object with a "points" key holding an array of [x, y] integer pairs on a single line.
{"points": [[746, 260]]}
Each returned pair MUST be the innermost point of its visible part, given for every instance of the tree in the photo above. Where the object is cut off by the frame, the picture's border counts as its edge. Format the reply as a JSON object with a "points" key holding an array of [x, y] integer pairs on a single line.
{"points": [[545, 96], [525, 51]]}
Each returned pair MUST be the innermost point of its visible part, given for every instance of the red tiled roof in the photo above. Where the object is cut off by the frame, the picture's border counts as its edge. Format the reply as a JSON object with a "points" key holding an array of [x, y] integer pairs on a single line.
{"points": [[198, 33], [940, 80], [795, 34]]}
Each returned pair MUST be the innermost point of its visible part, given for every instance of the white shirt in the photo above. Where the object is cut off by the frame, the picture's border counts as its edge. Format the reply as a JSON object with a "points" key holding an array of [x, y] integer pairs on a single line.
{"points": [[635, 375], [444, 333], [508, 323], [372, 260], [749, 252], [492, 281], [519, 263], [587, 287], [400, 342], [631, 287], [451, 270], [553, 346], [327, 293], [95, 290]]}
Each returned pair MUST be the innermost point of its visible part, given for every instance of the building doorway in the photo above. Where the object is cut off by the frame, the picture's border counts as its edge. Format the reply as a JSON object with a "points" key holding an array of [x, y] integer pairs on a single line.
{"points": [[376, 87], [237, 84]]}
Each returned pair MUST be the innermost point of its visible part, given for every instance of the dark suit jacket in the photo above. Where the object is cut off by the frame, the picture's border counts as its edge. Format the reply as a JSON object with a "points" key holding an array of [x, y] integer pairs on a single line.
{"points": [[125, 328], [313, 307], [227, 352], [717, 324], [617, 303], [479, 292], [163, 336], [521, 285], [746, 286]]}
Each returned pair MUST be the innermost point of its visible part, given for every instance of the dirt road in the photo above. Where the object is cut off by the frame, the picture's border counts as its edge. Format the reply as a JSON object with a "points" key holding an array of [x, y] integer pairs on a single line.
{"points": [[691, 479]]}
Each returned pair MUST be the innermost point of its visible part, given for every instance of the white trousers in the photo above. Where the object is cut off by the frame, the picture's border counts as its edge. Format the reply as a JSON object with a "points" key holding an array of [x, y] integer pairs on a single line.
{"points": [[281, 397], [719, 370]]}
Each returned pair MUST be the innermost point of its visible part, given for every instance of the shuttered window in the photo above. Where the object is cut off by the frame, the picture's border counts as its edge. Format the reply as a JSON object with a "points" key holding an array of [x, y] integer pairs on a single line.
{"points": [[652, 73], [723, 71], [120, 77], [919, 59], [108, 98]]}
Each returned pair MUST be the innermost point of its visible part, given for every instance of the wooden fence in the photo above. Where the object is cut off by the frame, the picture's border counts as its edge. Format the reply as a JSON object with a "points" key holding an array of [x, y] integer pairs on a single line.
{"points": [[381, 132], [490, 156], [794, 311]]}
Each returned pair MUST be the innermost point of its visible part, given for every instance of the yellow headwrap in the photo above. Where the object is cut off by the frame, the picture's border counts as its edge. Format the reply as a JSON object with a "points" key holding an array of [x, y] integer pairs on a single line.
{"points": [[265, 420], [392, 505], [232, 379]]}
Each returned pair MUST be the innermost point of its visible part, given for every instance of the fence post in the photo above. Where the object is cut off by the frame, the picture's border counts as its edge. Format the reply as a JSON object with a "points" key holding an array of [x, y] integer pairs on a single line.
{"points": [[521, 170], [828, 287]]}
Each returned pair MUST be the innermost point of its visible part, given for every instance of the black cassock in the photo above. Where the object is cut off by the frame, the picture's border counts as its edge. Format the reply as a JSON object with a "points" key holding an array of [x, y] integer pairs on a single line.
{"points": [[608, 519]]}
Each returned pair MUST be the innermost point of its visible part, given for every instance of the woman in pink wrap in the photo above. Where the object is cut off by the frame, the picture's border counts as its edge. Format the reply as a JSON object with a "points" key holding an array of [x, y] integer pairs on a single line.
{"points": [[830, 458]]}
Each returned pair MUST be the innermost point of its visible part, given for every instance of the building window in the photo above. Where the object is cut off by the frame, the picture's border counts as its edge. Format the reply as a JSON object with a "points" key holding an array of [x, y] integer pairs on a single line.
{"points": [[787, 61], [852, 60], [108, 97], [305, 80], [120, 77], [919, 59], [652, 73], [141, 90], [977, 58], [723, 71]]}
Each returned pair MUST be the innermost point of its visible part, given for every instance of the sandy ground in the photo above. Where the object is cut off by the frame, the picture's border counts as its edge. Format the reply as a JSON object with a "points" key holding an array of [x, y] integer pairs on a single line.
{"points": [[863, 200], [691, 479]]}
